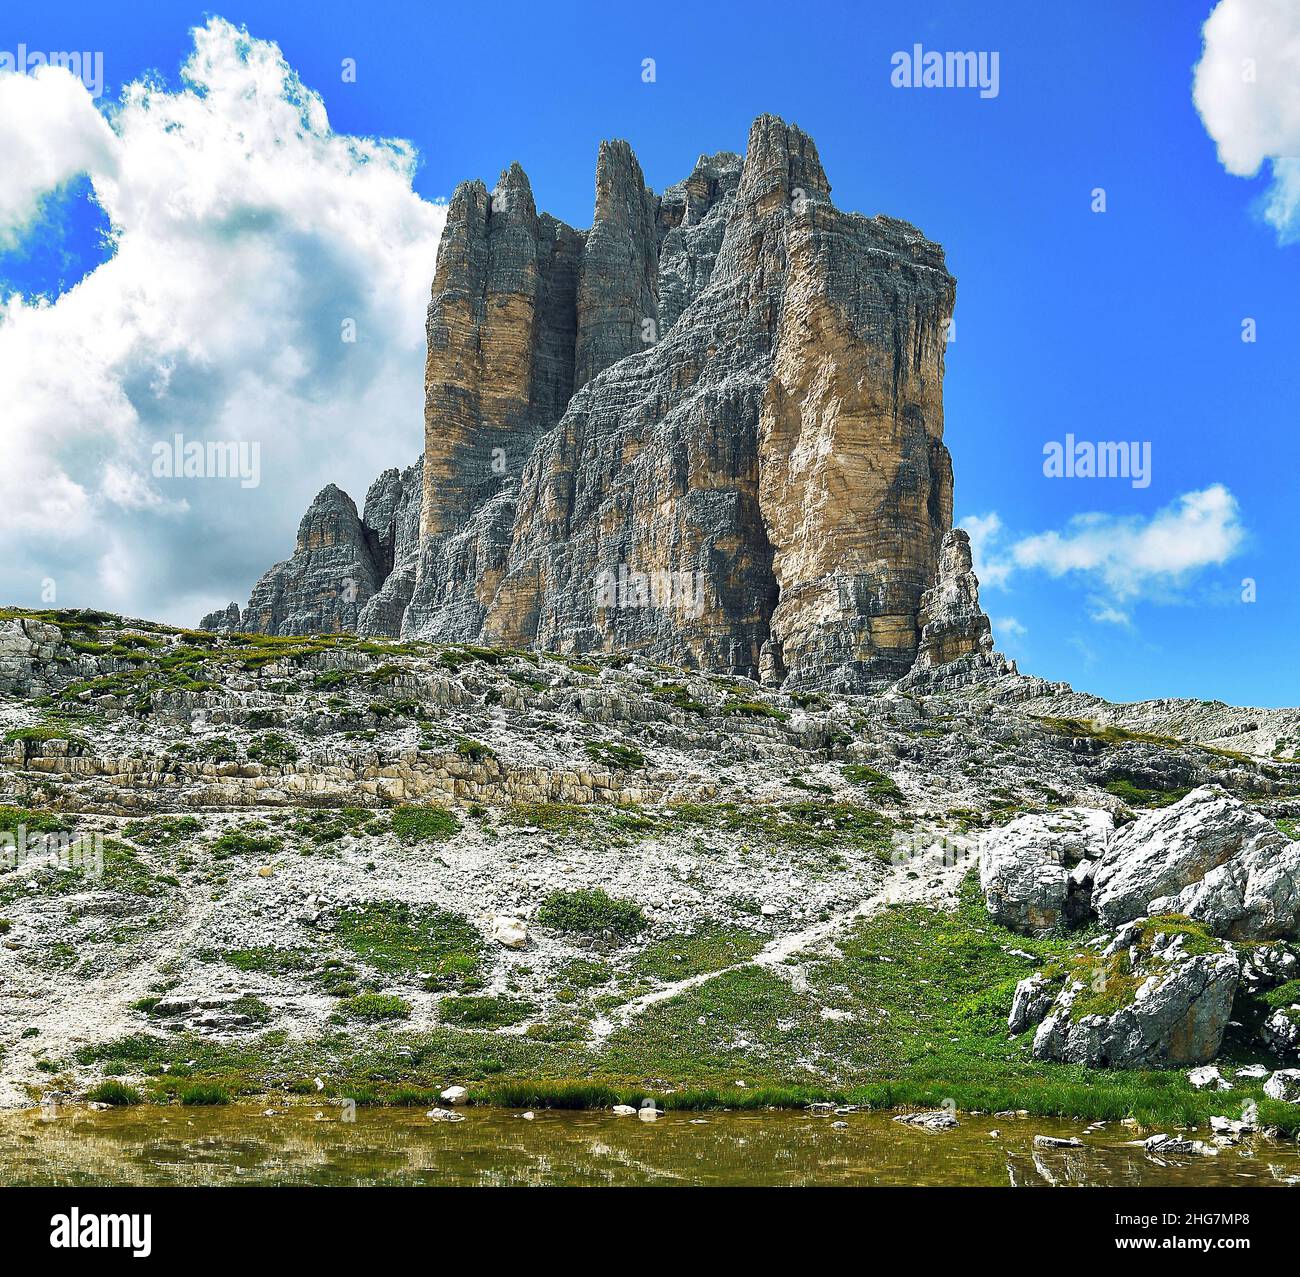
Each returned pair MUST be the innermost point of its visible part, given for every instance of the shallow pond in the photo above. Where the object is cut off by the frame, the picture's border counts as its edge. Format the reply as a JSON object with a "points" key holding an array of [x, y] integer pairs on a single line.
{"points": [[310, 1145]]}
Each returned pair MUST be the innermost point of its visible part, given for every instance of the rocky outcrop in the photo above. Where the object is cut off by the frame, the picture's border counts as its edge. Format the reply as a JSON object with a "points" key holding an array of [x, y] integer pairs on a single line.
{"points": [[347, 570], [224, 620], [1210, 857], [1031, 1002], [392, 513], [27, 647], [1150, 1000], [618, 282], [956, 639], [1284, 1085], [952, 624], [335, 569], [1037, 871], [708, 429], [501, 332]]}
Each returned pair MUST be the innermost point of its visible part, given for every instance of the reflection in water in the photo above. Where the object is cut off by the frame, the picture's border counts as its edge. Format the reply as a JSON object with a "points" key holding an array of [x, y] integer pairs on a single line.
{"points": [[496, 1147]]}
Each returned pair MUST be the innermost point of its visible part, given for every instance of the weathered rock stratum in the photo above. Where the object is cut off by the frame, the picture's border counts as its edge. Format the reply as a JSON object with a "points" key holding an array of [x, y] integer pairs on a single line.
{"points": [[708, 429]]}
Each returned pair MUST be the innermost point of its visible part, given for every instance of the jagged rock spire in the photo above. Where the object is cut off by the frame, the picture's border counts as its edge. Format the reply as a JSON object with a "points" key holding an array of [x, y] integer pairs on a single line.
{"points": [[730, 396]]}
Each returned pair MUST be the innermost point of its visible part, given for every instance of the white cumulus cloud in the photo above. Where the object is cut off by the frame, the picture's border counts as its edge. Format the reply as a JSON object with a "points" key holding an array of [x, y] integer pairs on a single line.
{"points": [[245, 232], [50, 132], [1129, 557], [1247, 90]]}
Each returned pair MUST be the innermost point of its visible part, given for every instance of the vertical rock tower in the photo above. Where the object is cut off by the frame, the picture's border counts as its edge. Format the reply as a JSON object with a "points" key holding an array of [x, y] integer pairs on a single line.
{"points": [[708, 429]]}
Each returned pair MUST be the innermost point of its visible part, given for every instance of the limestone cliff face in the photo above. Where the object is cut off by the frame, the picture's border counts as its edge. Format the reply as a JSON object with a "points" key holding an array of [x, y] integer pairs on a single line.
{"points": [[618, 284], [952, 624], [334, 570], [856, 484], [956, 638], [344, 567], [709, 429], [392, 513], [501, 333]]}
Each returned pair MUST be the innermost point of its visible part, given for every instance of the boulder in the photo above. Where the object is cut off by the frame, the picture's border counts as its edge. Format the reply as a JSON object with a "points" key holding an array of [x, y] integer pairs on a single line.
{"points": [[1280, 1032], [1036, 871], [1167, 1145], [444, 1115], [1207, 1076], [1267, 966], [1251, 1071], [1209, 857], [1146, 1002], [1284, 1085], [937, 1120], [1032, 1001], [510, 933]]}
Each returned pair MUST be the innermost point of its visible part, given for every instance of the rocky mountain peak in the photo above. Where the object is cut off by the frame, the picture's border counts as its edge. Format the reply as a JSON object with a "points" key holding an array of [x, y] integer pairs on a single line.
{"points": [[781, 162], [708, 428]]}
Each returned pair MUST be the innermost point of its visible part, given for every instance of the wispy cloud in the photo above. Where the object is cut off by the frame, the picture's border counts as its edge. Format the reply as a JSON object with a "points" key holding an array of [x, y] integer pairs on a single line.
{"points": [[1122, 558], [1247, 90], [1105, 614]]}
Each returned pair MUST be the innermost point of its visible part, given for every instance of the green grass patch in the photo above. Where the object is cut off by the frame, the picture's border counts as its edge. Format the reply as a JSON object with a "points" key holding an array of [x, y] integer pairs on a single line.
{"points": [[329, 825], [474, 750], [485, 1012], [590, 912], [1136, 796], [824, 829], [272, 750], [611, 754], [562, 818], [164, 831], [117, 1094], [42, 732], [372, 1008], [678, 696], [39, 822], [204, 1095], [425, 824], [680, 957], [247, 842], [880, 788], [401, 939]]}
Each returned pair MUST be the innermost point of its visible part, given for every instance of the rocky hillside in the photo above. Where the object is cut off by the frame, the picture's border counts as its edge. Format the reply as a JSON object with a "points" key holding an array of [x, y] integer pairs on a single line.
{"points": [[708, 430], [245, 861]]}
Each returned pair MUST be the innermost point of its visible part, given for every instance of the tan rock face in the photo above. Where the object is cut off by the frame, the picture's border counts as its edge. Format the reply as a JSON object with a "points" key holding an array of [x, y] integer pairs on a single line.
{"points": [[501, 331], [709, 429], [856, 487]]}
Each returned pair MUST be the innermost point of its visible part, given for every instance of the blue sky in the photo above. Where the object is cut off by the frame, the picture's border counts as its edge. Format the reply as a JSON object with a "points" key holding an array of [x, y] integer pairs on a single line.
{"points": [[1121, 325]]}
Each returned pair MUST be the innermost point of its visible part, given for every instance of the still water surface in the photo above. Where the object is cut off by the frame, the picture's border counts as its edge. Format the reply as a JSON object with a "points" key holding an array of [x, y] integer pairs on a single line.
{"points": [[239, 1145]]}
